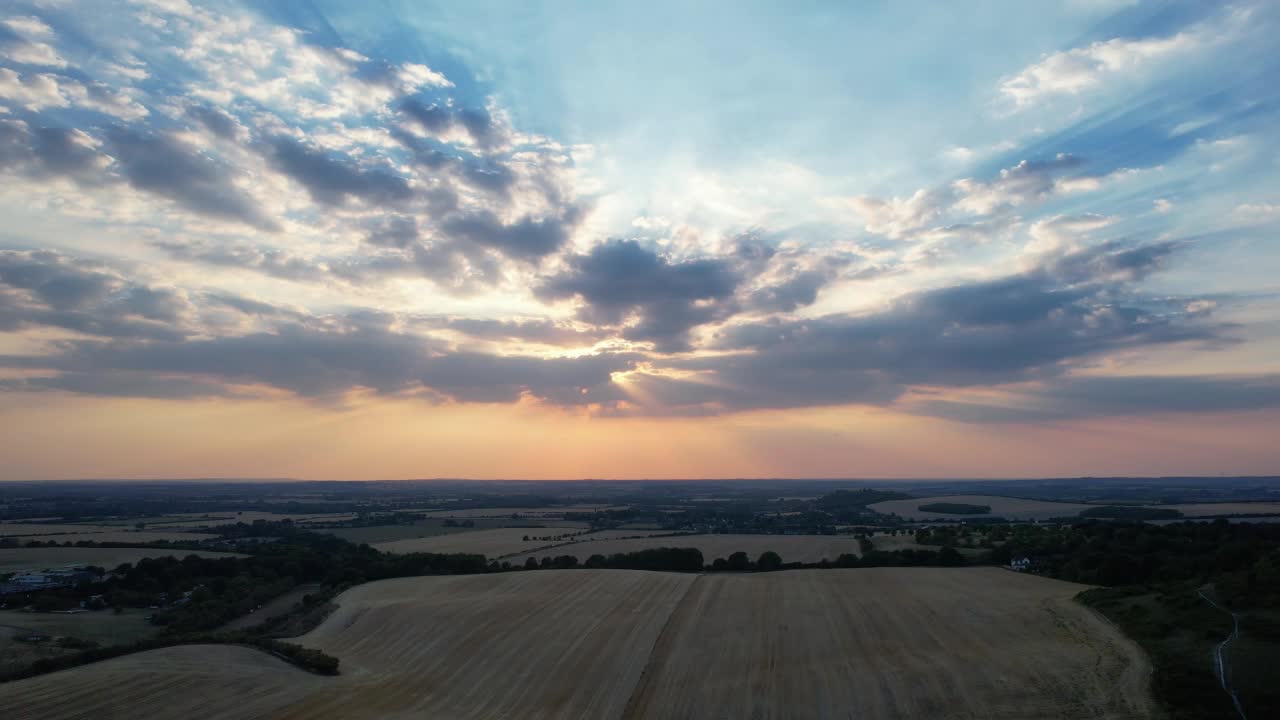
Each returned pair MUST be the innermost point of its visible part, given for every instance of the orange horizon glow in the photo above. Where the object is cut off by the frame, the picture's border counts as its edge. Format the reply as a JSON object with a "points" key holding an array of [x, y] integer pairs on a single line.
{"points": [[85, 438]]}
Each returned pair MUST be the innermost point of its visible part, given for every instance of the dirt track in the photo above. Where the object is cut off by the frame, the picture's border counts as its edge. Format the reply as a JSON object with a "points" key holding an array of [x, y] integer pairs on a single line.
{"points": [[864, 643]]}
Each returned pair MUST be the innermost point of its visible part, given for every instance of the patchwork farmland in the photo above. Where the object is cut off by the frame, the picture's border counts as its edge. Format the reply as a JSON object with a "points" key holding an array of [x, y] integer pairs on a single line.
{"points": [[873, 643], [792, 548]]}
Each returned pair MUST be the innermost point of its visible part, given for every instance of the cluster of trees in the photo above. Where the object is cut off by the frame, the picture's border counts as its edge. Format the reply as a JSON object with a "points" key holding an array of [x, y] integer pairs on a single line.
{"points": [[691, 560], [1242, 560], [659, 559], [1130, 512]]}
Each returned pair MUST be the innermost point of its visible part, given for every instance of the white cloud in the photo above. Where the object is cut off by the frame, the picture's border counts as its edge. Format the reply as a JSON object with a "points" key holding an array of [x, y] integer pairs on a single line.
{"points": [[1162, 205], [27, 49], [897, 218], [32, 92], [1072, 72], [29, 27], [1258, 209], [413, 76]]}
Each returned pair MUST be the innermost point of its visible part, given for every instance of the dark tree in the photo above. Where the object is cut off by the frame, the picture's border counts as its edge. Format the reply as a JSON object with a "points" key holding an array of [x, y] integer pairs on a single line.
{"points": [[769, 560]]}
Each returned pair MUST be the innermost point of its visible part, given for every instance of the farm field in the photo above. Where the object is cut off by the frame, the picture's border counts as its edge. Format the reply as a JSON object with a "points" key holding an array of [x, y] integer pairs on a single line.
{"points": [[191, 681], [622, 533], [432, 527], [1236, 508], [116, 535], [1005, 507], [490, 543], [104, 627], [891, 642], [19, 559], [37, 529], [792, 548], [868, 643], [506, 512], [201, 520]]}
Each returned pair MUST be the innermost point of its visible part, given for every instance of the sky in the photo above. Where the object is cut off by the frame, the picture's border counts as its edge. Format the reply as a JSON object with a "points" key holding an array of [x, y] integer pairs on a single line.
{"points": [[386, 239]]}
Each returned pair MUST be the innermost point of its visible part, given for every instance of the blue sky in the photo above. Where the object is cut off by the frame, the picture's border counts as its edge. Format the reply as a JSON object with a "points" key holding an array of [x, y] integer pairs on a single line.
{"points": [[1041, 214]]}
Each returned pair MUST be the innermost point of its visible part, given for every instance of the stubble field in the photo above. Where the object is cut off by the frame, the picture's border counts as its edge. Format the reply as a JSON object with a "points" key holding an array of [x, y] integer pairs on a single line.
{"points": [[864, 643], [490, 543]]}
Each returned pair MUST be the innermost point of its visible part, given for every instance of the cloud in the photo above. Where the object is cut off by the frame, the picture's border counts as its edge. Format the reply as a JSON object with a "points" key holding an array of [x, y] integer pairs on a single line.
{"points": [[535, 330], [446, 122], [332, 180], [34, 92], [896, 218], [21, 42], [1027, 182], [1074, 71], [166, 166], [324, 362], [51, 152], [269, 261], [624, 284], [526, 239], [47, 289], [1069, 398], [1033, 325]]}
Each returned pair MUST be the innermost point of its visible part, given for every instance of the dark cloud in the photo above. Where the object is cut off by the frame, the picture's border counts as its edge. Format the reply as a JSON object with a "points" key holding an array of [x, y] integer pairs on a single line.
{"points": [[620, 281], [1035, 325], [1069, 398], [164, 166], [215, 121], [525, 239], [758, 381], [325, 362], [269, 261], [43, 288], [438, 119], [475, 377], [50, 152], [331, 179], [798, 291], [395, 231]]}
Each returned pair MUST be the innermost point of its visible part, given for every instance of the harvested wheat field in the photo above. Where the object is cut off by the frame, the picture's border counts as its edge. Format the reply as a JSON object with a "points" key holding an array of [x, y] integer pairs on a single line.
{"points": [[121, 536], [792, 548], [1005, 507], [490, 543], [1234, 508], [864, 643], [532, 513], [622, 534], [35, 530], [178, 683], [890, 643], [19, 559]]}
